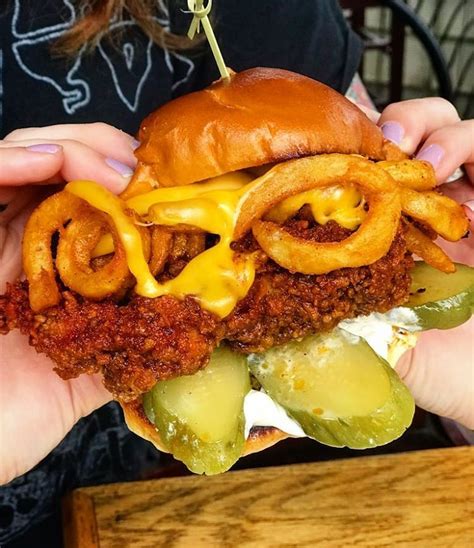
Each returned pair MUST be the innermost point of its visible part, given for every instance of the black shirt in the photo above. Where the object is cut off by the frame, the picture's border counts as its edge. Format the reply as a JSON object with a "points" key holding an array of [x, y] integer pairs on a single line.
{"points": [[120, 84]]}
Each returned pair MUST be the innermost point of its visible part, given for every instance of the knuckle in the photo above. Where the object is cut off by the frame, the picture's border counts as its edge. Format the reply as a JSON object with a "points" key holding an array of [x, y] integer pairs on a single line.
{"points": [[16, 135], [101, 127], [392, 110], [447, 107]]}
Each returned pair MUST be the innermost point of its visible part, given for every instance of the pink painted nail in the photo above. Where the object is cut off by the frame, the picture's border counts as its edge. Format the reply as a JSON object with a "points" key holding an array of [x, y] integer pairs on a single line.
{"points": [[119, 167], [135, 144], [469, 210], [470, 205], [432, 154], [45, 148], [393, 131]]}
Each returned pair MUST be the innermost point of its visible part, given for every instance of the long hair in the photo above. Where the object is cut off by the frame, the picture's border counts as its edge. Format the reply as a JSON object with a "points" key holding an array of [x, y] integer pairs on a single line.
{"points": [[95, 20]]}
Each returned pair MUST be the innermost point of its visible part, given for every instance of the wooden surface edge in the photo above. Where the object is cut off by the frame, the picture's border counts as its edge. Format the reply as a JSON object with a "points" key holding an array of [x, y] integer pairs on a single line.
{"points": [[116, 489], [79, 521], [417, 498]]}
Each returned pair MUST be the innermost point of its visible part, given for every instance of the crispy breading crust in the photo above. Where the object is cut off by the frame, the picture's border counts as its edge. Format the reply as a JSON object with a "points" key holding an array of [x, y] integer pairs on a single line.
{"points": [[140, 342]]}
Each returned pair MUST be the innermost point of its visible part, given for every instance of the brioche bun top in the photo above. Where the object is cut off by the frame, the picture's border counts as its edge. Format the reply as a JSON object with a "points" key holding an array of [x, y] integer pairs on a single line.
{"points": [[260, 116]]}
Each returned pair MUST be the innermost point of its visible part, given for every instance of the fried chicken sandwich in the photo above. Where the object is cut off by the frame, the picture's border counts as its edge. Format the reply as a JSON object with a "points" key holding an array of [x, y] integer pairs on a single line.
{"points": [[255, 279]]}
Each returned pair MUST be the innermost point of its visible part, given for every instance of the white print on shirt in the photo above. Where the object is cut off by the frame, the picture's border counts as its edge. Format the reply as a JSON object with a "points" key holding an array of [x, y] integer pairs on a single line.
{"points": [[75, 91], [129, 72]]}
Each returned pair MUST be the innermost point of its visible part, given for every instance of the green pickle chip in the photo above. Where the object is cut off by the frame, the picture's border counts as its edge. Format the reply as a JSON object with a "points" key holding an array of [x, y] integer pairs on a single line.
{"points": [[441, 301], [337, 388], [200, 417]]}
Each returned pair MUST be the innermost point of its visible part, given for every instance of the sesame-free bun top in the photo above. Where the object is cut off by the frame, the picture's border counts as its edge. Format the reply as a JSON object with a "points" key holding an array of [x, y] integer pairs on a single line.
{"points": [[261, 116]]}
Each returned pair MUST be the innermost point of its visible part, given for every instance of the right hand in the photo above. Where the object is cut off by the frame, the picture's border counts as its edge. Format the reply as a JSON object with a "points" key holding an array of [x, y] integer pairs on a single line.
{"points": [[439, 371], [37, 408]]}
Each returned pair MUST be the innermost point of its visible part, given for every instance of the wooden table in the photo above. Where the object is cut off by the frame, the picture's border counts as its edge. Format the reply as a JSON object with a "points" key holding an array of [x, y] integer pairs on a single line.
{"points": [[423, 498]]}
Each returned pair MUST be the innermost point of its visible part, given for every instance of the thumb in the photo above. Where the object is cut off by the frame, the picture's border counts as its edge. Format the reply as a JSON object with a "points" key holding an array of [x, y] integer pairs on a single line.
{"points": [[439, 372], [32, 164]]}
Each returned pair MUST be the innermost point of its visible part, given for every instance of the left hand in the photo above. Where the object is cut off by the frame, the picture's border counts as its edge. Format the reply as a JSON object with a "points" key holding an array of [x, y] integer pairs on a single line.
{"points": [[38, 408], [440, 370]]}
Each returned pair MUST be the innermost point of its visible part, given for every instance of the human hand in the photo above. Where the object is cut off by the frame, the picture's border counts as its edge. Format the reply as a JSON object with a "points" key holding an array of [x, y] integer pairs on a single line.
{"points": [[440, 370], [38, 408]]}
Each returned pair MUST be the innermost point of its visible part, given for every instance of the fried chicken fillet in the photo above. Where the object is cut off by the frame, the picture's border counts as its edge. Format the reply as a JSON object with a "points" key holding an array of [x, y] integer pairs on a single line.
{"points": [[140, 341]]}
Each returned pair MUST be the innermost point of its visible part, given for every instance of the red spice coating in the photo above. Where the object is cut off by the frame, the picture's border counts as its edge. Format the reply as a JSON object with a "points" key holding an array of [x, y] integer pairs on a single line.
{"points": [[146, 340]]}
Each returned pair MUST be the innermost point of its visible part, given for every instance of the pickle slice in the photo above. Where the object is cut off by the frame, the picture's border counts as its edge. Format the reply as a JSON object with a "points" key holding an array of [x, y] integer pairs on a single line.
{"points": [[200, 417], [441, 301], [337, 388]]}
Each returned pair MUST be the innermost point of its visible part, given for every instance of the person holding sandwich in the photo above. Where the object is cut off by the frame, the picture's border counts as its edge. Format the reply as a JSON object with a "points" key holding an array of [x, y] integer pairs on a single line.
{"points": [[32, 157]]}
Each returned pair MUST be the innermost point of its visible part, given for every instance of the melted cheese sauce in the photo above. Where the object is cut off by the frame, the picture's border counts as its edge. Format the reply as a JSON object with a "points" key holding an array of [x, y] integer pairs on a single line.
{"points": [[344, 205], [217, 278]]}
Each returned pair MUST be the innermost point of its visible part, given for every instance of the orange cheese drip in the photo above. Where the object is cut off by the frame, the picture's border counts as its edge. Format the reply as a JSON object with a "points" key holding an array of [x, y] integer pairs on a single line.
{"points": [[217, 278]]}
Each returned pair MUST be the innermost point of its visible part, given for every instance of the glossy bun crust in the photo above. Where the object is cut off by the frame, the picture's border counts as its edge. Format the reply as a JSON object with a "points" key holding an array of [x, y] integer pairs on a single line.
{"points": [[260, 438], [261, 116]]}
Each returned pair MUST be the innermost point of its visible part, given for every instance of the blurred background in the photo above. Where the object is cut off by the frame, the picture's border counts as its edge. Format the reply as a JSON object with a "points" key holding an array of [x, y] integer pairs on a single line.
{"points": [[416, 48]]}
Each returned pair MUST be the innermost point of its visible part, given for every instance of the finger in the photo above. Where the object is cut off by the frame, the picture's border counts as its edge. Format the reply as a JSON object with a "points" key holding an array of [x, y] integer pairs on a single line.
{"points": [[34, 164], [371, 114], [10, 242], [449, 147], [409, 123], [18, 201], [102, 137], [461, 191], [82, 162], [435, 387]]}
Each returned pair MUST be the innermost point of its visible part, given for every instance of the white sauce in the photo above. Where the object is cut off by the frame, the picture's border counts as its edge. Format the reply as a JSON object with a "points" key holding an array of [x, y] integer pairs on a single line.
{"points": [[261, 410], [381, 331]]}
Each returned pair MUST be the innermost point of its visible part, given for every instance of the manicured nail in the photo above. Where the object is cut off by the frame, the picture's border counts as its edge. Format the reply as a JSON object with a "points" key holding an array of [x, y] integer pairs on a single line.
{"points": [[469, 210], [432, 154], [48, 148], [123, 169], [135, 144], [469, 205], [393, 131]]}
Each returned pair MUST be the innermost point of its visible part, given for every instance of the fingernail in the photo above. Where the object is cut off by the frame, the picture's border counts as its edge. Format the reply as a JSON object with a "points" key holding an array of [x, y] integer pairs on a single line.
{"points": [[469, 210], [135, 144], [469, 205], [123, 169], [393, 131], [432, 154], [45, 147]]}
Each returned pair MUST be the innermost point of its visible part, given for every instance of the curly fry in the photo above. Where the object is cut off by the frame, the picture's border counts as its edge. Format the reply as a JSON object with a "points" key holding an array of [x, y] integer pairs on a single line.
{"points": [[368, 244], [187, 245], [80, 227], [196, 244], [414, 174], [442, 214], [73, 262], [47, 219], [419, 244], [178, 246], [161, 242]]}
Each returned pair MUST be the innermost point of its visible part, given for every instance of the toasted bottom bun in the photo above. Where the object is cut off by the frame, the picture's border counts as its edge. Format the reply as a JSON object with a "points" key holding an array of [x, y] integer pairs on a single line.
{"points": [[260, 438]]}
